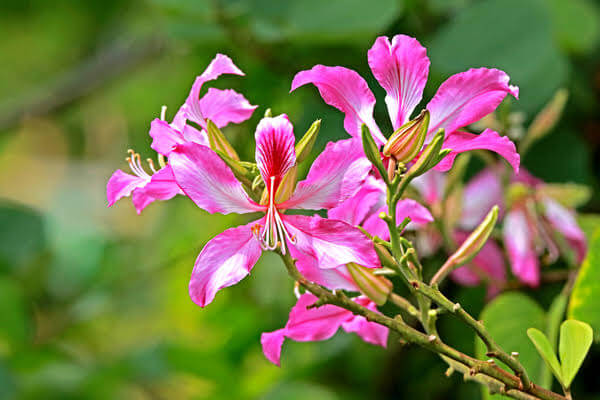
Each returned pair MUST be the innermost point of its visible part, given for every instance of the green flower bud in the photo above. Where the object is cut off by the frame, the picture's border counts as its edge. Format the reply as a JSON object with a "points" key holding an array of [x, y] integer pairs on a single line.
{"points": [[377, 288], [307, 142], [218, 142], [406, 142]]}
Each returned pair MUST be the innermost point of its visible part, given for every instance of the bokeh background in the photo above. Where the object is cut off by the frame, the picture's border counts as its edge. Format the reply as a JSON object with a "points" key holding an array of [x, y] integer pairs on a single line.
{"points": [[93, 301]]}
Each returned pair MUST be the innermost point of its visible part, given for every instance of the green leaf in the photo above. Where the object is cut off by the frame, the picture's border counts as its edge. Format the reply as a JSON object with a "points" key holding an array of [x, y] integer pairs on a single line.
{"points": [[507, 318], [522, 46], [575, 341], [21, 234], [546, 350], [585, 298]]}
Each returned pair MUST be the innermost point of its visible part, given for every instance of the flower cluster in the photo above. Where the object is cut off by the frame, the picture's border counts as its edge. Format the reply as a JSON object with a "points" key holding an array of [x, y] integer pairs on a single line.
{"points": [[350, 181]]}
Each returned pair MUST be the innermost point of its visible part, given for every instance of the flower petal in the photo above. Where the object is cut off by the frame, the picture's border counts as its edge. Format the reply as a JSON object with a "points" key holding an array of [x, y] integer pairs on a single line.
{"points": [[275, 152], [121, 185], [467, 97], [221, 64], [336, 174], [224, 261], [320, 323], [401, 68], [225, 106], [332, 278], [479, 196], [563, 220], [355, 209], [162, 186], [518, 239], [460, 142], [406, 208], [166, 136], [347, 91], [333, 243], [208, 181], [370, 332]]}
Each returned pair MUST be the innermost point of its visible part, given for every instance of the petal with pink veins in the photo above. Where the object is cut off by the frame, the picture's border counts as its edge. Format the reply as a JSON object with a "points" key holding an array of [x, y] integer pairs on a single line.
{"points": [[347, 91], [563, 220], [333, 278], [208, 181], [401, 68], [319, 323], [275, 152], [121, 185], [460, 142], [221, 64], [518, 239], [224, 261], [162, 186], [406, 208], [467, 97], [337, 173], [225, 106], [333, 243], [355, 209], [479, 196]]}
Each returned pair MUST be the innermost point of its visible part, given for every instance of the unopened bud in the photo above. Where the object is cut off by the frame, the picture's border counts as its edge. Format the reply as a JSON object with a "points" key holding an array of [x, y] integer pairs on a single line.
{"points": [[287, 185], [376, 288], [218, 142], [476, 239], [406, 142], [372, 151], [307, 142], [431, 155]]}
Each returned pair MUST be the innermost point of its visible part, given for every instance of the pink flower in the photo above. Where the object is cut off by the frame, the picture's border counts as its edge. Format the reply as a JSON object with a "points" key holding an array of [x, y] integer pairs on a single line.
{"points": [[220, 106], [226, 259], [401, 68], [321, 323], [531, 227], [479, 196]]}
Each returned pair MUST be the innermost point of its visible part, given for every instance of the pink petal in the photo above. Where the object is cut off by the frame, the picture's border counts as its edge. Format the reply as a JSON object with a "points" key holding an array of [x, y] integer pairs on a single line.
{"points": [[460, 142], [225, 106], [366, 201], [479, 196], [467, 97], [162, 186], [333, 278], [321, 323], [166, 136], [370, 332], [333, 243], [208, 181], [221, 64], [336, 174], [526, 178], [271, 344], [406, 208], [563, 220], [121, 185], [275, 152], [488, 262], [347, 91], [518, 240], [224, 261], [401, 68], [431, 186]]}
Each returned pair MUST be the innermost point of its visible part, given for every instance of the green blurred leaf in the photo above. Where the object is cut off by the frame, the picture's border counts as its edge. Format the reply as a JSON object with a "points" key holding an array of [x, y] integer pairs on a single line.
{"points": [[21, 234], [507, 318], [521, 45], [589, 223], [576, 24], [585, 297], [300, 391], [575, 340], [546, 350], [15, 325]]}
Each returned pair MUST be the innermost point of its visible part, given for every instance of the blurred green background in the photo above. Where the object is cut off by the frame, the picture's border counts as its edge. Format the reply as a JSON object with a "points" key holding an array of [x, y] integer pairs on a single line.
{"points": [[94, 302]]}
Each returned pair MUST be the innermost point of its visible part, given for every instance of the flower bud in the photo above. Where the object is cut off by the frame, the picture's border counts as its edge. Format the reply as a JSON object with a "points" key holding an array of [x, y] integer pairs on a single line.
{"points": [[476, 239], [406, 142], [372, 151], [376, 288], [431, 156], [218, 142], [307, 142], [287, 185]]}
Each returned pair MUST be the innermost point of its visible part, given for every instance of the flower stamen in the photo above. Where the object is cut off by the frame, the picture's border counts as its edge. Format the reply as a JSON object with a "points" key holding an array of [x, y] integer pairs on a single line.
{"points": [[135, 164]]}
